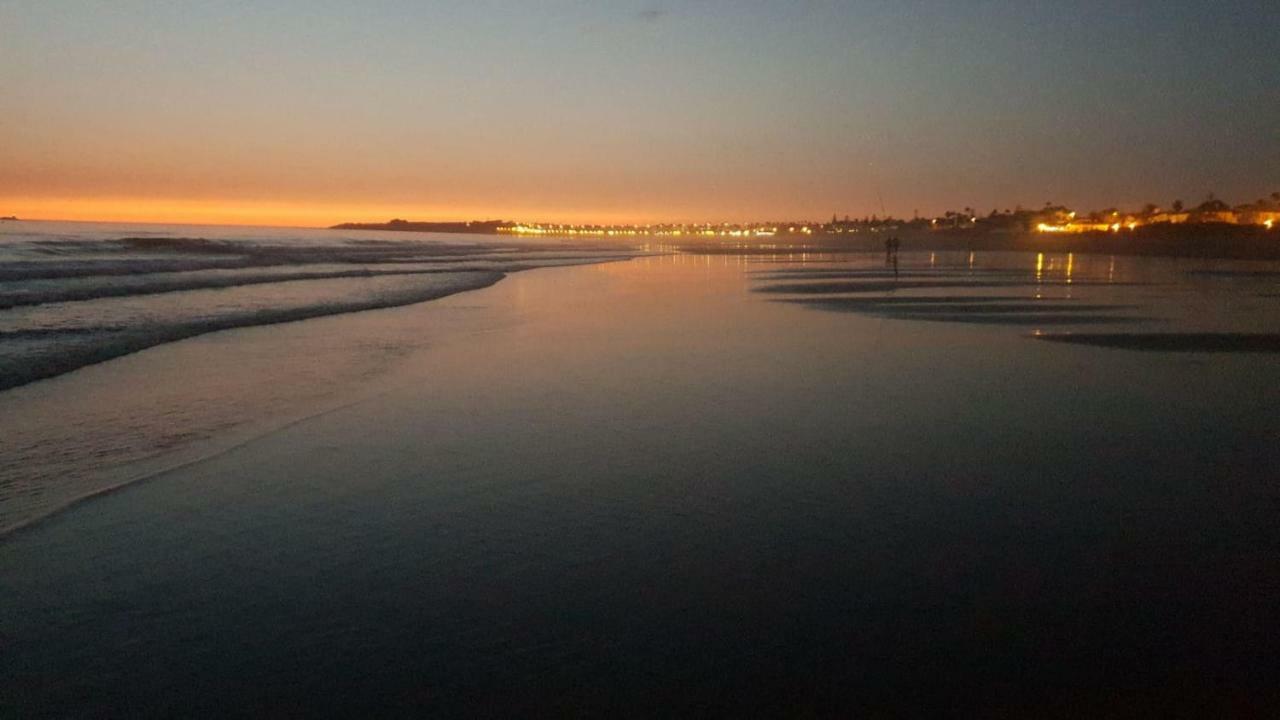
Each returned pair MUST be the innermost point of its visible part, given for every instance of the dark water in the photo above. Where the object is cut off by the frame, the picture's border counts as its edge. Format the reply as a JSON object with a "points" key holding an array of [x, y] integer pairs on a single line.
{"points": [[648, 488]]}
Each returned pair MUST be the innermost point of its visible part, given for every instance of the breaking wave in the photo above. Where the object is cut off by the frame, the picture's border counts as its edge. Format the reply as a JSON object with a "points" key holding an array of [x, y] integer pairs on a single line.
{"points": [[68, 301], [32, 354]]}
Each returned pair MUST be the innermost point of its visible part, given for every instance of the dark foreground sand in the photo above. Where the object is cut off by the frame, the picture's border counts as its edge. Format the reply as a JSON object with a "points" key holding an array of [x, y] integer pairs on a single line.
{"points": [[643, 489]]}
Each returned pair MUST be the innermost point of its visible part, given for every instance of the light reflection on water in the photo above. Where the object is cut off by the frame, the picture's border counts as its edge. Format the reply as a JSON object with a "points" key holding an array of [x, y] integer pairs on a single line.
{"points": [[1167, 295], [76, 435], [635, 485]]}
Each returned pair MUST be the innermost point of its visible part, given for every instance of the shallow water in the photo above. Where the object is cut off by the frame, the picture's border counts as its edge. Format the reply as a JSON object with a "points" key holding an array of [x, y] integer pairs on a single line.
{"points": [[76, 294], [649, 487]]}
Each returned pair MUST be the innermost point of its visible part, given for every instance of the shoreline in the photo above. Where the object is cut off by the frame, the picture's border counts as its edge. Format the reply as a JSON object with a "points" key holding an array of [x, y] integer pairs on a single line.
{"points": [[139, 341], [139, 470], [476, 279], [213, 449], [622, 452], [1232, 242], [1199, 240]]}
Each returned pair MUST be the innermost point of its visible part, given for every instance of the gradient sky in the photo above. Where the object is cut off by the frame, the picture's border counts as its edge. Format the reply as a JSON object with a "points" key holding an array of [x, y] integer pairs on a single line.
{"points": [[319, 111]]}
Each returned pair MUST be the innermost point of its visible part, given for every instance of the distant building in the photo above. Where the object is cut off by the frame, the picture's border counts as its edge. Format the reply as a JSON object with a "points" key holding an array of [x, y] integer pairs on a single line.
{"points": [[1217, 216], [1173, 218], [1259, 213]]}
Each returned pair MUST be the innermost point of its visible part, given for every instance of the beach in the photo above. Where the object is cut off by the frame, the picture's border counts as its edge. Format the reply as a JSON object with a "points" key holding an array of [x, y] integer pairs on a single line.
{"points": [[76, 295], [639, 359], [654, 486]]}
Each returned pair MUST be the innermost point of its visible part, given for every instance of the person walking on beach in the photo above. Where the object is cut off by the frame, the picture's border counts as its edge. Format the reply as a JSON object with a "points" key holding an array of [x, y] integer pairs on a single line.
{"points": [[891, 246]]}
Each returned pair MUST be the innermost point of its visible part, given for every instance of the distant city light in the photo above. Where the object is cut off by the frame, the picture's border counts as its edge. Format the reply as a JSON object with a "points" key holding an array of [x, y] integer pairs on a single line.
{"points": [[1049, 220]]}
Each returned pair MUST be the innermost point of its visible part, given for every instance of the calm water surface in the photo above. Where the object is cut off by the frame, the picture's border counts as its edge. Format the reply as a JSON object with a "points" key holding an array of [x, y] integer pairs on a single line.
{"points": [[687, 484]]}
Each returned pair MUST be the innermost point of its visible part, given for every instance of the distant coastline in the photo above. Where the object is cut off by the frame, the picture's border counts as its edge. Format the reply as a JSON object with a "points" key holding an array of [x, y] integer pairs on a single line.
{"points": [[479, 227], [1205, 240]]}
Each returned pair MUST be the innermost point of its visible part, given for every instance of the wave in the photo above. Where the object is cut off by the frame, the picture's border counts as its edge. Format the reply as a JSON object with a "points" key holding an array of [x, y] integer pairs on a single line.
{"points": [[86, 346], [156, 283], [78, 258], [18, 270], [70, 301]]}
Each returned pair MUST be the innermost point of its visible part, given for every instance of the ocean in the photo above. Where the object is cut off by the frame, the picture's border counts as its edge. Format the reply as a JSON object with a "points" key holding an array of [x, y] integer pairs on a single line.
{"points": [[77, 294], [986, 484]]}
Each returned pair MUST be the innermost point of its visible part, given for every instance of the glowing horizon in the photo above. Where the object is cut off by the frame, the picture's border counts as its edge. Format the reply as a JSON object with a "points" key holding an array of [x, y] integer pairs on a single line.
{"points": [[317, 214], [265, 213]]}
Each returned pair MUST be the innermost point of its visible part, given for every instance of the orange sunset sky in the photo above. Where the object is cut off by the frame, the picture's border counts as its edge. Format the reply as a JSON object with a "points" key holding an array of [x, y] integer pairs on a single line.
{"points": [[314, 113]]}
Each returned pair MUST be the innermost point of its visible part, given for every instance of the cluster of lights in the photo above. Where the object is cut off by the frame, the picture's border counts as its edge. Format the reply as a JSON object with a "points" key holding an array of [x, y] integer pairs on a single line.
{"points": [[1072, 227], [570, 230], [645, 230], [1064, 223], [1114, 225]]}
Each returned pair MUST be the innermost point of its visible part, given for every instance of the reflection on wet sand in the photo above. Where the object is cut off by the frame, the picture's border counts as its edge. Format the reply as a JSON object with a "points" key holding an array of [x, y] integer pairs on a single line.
{"points": [[904, 296], [861, 286], [1173, 342], [862, 302], [1005, 310], [977, 273], [1042, 291], [1015, 319], [1262, 274]]}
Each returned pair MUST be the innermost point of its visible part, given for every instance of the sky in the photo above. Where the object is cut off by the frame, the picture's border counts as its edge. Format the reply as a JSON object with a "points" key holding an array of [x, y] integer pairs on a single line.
{"points": [[313, 112]]}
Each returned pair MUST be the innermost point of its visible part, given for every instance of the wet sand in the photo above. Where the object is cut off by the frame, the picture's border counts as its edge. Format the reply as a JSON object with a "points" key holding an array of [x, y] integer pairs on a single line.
{"points": [[642, 488], [1174, 342]]}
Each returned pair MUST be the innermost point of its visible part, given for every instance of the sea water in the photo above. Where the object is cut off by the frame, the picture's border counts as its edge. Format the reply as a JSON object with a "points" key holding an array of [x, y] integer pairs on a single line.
{"points": [[78, 294], [715, 484]]}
